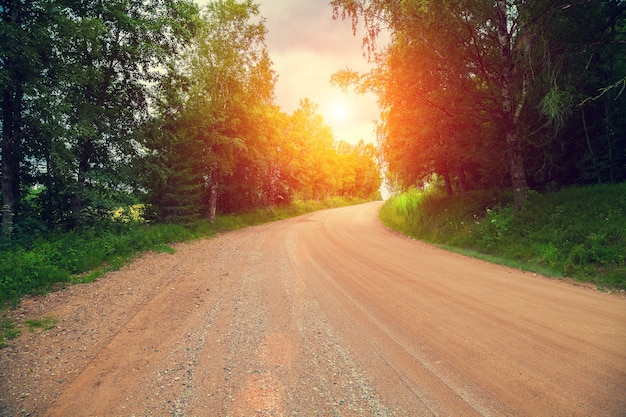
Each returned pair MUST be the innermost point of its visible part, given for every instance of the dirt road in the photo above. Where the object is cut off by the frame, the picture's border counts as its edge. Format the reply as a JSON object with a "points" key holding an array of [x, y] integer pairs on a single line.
{"points": [[327, 314]]}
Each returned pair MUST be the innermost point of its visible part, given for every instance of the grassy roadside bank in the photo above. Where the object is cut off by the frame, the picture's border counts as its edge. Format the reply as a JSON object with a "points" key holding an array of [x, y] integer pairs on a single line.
{"points": [[56, 260], [577, 233]]}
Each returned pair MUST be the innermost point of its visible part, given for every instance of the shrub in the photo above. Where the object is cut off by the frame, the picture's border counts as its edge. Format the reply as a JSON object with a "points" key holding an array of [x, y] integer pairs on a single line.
{"points": [[576, 232], [83, 255]]}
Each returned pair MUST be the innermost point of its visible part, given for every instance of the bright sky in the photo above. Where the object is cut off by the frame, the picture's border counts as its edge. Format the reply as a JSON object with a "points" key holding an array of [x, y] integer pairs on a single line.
{"points": [[307, 47]]}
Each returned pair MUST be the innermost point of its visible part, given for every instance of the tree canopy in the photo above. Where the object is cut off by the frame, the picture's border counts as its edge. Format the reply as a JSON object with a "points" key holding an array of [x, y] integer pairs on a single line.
{"points": [[158, 103], [487, 94]]}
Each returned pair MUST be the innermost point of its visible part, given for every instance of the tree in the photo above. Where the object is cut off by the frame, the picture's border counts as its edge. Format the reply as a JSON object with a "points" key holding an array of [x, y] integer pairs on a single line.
{"points": [[25, 49], [311, 144], [582, 96], [433, 122], [226, 142], [76, 79], [228, 80], [117, 50], [356, 172], [494, 53]]}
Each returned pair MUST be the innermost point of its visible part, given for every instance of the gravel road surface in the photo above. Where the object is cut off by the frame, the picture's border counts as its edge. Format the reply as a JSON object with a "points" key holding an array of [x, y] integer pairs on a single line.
{"points": [[327, 314]]}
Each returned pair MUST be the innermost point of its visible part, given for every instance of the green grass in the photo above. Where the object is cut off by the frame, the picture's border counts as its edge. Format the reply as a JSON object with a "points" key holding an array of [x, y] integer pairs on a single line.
{"points": [[44, 323], [578, 233], [83, 256], [8, 331]]}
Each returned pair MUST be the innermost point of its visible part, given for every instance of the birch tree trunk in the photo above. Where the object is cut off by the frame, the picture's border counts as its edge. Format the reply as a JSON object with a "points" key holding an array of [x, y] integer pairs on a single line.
{"points": [[213, 195]]}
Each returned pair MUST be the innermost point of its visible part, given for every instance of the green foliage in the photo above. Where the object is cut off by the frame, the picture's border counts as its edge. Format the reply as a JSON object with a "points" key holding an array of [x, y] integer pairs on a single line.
{"points": [[7, 331], [557, 105], [77, 79], [211, 118], [432, 214], [44, 323], [544, 107], [156, 103], [81, 256], [575, 232]]}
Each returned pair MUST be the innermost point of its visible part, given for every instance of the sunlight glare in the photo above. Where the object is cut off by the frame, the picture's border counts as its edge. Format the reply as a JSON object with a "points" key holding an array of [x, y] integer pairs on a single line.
{"points": [[340, 112]]}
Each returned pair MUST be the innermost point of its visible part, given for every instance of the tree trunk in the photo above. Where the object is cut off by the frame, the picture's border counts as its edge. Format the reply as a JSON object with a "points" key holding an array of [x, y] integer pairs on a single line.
{"points": [[213, 196], [275, 172], [448, 180], [86, 149], [511, 108], [609, 138], [8, 196], [589, 147], [49, 205], [518, 173], [8, 202], [11, 132], [462, 181]]}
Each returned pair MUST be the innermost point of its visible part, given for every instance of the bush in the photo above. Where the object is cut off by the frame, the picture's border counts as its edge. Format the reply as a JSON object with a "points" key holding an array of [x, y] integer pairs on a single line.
{"points": [[576, 232], [83, 255]]}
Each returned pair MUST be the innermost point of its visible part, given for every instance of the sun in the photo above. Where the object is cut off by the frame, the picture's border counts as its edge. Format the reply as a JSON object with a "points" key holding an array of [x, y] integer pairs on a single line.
{"points": [[339, 112]]}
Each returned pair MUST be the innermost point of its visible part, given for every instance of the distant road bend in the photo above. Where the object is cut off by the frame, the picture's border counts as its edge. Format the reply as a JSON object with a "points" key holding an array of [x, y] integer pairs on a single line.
{"points": [[331, 314]]}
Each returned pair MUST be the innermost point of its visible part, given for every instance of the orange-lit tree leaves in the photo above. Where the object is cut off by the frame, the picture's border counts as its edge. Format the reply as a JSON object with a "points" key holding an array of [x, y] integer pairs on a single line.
{"points": [[466, 86], [230, 144]]}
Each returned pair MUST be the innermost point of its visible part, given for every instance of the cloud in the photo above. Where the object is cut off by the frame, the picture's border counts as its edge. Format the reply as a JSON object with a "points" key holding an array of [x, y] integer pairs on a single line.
{"points": [[302, 24], [307, 46]]}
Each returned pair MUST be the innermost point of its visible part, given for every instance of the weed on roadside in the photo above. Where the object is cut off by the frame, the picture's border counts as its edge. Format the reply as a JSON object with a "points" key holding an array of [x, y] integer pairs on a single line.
{"points": [[51, 261], [576, 232], [8, 331], [44, 323]]}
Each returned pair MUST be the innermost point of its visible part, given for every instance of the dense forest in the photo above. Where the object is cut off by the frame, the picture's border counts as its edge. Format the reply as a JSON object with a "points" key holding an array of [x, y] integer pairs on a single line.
{"points": [[166, 106], [504, 94], [156, 104]]}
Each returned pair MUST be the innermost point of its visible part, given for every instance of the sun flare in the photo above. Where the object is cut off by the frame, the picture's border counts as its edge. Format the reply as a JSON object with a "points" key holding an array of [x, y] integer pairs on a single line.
{"points": [[339, 112]]}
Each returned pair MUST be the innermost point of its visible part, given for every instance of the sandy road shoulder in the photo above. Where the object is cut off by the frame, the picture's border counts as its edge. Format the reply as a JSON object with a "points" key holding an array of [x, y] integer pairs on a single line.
{"points": [[220, 327]]}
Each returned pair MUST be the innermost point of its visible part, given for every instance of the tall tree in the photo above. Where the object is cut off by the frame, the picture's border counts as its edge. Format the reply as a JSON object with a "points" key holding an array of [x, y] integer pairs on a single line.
{"points": [[356, 171], [76, 78], [493, 52], [433, 121], [582, 98], [26, 46], [228, 80], [311, 142], [116, 51]]}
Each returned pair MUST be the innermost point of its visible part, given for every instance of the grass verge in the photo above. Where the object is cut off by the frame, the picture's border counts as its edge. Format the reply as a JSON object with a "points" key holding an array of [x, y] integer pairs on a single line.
{"points": [[82, 256], [577, 233]]}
